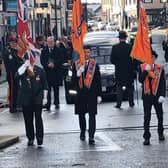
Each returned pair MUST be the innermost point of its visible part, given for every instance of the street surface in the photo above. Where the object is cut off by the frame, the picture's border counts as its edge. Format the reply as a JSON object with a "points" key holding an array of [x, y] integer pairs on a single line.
{"points": [[118, 137]]}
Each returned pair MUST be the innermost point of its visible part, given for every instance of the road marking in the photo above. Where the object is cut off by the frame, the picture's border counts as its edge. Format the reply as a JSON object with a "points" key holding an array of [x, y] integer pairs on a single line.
{"points": [[109, 144], [103, 144]]}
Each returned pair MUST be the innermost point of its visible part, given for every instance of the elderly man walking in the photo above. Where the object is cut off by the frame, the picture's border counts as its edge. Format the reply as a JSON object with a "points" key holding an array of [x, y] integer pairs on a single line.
{"points": [[51, 60]]}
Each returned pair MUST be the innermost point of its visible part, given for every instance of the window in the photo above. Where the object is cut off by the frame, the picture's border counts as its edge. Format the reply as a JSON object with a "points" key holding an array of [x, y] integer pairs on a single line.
{"points": [[148, 1]]}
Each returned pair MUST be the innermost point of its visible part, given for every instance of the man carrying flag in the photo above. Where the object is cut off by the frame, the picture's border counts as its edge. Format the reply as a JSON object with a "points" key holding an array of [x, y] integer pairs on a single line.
{"points": [[151, 76], [86, 75], [33, 83]]}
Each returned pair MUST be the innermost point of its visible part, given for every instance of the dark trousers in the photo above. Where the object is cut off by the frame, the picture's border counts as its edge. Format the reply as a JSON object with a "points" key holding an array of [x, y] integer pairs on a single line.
{"points": [[130, 91], [56, 94], [29, 112], [148, 101], [92, 124], [13, 91]]}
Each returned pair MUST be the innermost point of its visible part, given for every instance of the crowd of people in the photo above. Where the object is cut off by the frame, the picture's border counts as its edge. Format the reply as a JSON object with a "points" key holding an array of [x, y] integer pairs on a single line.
{"points": [[31, 84]]}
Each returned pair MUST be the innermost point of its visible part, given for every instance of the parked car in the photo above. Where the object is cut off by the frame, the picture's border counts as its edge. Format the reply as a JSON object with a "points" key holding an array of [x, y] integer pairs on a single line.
{"points": [[101, 45], [112, 27]]}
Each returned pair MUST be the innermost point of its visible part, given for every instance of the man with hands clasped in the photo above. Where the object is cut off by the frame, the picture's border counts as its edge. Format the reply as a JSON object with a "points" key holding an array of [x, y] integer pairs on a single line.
{"points": [[33, 93], [153, 93], [87, 82]]}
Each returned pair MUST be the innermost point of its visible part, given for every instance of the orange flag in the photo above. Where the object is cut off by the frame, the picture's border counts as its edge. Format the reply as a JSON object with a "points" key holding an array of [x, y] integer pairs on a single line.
{"points": [[142, 48], [79, 29]]}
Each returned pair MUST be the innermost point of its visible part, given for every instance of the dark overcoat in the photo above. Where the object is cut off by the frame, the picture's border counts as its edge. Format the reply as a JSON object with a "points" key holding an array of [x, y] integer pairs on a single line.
{"points": [[31, 89], [124, 66], [54, 75], [86, 101]]}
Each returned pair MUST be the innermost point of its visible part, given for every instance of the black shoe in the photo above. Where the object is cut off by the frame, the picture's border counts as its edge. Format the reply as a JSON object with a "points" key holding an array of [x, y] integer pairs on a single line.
{"points": [[161, 137], [13, 111], [39, 142], [82, 137], [91, 141], [132, 105], [117, 106], [57, 106], [146, 142], [30, 143], [46, 106]]}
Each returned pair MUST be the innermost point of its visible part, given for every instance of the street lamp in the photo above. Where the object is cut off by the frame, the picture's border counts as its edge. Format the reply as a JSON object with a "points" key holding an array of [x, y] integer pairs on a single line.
{"points": [[164, 10]]}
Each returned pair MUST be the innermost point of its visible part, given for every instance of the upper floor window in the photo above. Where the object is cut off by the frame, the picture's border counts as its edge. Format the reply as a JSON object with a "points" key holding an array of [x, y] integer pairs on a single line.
{"points": [[148, 1]]}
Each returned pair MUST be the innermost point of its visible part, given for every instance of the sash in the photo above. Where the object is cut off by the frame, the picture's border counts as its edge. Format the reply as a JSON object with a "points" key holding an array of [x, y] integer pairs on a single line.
{"points": [[154, 81], [90, 73], [87, 80]]}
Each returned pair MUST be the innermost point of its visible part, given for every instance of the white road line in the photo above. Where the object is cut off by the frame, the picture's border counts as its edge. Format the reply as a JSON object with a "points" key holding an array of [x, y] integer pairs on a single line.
{"points": [[110, 145]]}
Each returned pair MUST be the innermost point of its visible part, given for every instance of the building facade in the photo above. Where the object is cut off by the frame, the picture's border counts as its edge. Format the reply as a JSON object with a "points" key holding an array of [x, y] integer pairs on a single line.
{"points": [[125, 12]]}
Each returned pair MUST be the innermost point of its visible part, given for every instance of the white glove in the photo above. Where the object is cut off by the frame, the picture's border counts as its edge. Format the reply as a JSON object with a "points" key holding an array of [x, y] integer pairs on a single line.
{"points": [[22, 69], [161, 99], [44, 101], [99, 99], [80, 70], [45, 97], [147, 67], [124, 88]]}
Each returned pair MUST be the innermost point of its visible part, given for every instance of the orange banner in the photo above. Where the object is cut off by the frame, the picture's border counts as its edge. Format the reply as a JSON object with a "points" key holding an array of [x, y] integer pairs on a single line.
{"points": [[79, 29], [142, 48]]}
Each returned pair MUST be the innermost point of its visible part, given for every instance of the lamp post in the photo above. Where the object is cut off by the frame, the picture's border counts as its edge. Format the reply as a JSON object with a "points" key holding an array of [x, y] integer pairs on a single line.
{"points": [[55, 27], [164, 10]]}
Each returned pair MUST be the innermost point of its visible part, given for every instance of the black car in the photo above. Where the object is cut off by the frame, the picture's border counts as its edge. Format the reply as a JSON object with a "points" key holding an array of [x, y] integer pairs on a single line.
{"points": [[101, 43]]}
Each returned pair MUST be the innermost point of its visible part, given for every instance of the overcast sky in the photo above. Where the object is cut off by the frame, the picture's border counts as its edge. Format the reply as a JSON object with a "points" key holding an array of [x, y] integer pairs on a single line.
{"points": [[91, 1]]}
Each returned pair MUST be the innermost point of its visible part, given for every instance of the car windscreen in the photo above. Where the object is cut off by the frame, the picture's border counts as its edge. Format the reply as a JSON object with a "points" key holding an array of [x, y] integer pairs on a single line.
{"points": [[101, 53]]}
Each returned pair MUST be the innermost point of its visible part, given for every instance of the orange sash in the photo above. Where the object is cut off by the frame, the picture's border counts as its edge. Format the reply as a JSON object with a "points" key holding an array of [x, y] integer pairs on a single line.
{"points": [[155, 81], [89, 74]]}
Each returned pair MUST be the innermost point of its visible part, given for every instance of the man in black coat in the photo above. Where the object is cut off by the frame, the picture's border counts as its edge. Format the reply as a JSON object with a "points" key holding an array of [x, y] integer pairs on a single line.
{"points": [[165, 48], [87, 93], [153, 93], [12, 63], [32, 92], [124, 69], [51, 59]]}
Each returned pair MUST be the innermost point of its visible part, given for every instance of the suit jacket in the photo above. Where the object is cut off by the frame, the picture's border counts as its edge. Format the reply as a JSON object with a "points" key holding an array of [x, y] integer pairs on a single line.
{"points": [[54, 75], [31, 89], [162, 83], [124, 66], [86, 100], [11, 61]]}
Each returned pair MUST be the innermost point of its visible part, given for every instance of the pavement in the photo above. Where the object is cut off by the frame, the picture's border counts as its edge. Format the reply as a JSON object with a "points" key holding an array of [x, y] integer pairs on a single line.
{"points": [[5, 140]]}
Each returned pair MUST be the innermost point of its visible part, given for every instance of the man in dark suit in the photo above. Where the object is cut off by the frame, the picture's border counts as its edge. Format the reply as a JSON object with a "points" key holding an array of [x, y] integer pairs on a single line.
{"points": [[51, 59], [87, 82], [12, 63], [153, 93], [124, 69], [33, 90]]}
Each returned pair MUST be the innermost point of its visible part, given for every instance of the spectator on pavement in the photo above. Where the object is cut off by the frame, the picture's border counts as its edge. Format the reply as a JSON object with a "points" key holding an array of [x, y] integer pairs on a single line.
{"points": [[12, 63], [153, 93], [165, 48], [86, 80]]}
